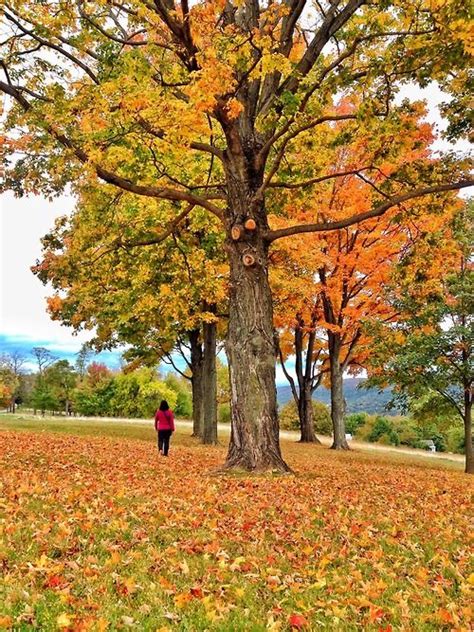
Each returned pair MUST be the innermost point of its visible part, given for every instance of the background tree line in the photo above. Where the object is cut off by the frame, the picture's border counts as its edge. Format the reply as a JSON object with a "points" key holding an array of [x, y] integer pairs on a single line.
{"points": [[90, 389]]}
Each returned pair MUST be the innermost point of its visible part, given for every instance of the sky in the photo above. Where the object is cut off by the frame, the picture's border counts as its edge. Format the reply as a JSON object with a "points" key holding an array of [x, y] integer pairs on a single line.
{"points": [[24, 322]]}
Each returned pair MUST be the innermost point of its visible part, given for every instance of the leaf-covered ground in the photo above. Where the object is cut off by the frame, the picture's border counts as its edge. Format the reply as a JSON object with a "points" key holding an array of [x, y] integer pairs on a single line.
{"points": [[97, 533]]}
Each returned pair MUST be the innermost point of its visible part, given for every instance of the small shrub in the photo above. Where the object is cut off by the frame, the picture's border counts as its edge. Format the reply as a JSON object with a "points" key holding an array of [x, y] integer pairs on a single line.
{"points": [[381, 426], [383, 431], [44, 399], [223, 413], [289, 419], [455, 439], [408, 433], [393, 437], [384, 439], [355, 421], [184, 405]]}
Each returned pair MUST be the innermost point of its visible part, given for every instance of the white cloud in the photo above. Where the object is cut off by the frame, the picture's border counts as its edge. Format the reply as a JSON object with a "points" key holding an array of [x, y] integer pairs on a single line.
{"points": [[22, 296]]}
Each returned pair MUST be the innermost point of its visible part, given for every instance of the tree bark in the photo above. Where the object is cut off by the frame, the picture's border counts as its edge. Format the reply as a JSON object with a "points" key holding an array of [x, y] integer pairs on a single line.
{"points": [[254, 443], [209, 384], [251, 345], [469, 467], [304, 374], [337, 395], [305, 411], [196, 381]]}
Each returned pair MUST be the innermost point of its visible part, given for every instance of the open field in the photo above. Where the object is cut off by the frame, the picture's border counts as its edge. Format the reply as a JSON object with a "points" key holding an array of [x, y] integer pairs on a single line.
{"points": [[143, 429], [98, 533]]}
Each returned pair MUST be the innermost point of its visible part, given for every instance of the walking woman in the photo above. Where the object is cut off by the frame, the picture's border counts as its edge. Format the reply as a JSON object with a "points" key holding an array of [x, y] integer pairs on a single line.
{"points": [[164, 425]]}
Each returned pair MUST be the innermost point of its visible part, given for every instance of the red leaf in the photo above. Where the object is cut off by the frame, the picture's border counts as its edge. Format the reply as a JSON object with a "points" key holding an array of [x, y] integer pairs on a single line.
{"points": [[196, 591], [298, 621], [54, 581]]}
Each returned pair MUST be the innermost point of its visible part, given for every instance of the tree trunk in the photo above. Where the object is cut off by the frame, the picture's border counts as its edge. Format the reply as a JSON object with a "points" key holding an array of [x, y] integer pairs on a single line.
{"points": [[196, 381], [337, 396], [209, 385], [305, 411], [251, 349], [304, 396], [469, 468], [254, 443]]}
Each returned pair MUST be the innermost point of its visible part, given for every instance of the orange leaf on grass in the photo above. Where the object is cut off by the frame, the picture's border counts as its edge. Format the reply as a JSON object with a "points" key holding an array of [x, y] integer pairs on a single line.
{"points": [[445, 616], [375, 614], [5, 622]]}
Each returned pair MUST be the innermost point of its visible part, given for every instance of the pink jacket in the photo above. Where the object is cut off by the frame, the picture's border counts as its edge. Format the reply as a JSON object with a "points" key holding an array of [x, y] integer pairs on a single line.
{"points": [[164, 420]]}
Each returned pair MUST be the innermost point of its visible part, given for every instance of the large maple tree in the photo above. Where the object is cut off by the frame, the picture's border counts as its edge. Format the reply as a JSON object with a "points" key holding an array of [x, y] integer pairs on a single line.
{"points": [[199, 105]]}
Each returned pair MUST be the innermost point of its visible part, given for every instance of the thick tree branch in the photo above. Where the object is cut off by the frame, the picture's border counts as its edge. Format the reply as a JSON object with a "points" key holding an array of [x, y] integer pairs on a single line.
{"points": [[290, 136], [159, 133], [445, 395], [353, 343], [332, 23], [272, 235], [311, 181], [167, 358], [288, 376], [180, 32], [289, 24], [164, 193]]}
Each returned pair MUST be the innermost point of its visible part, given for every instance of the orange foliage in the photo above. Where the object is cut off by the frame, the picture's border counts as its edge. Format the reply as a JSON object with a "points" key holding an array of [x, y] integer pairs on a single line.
{"points": [[337, 280]]}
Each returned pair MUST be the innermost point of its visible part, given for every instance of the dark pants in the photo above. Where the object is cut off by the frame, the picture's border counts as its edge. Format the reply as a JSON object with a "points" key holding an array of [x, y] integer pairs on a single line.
{"points": [[164, 441]]}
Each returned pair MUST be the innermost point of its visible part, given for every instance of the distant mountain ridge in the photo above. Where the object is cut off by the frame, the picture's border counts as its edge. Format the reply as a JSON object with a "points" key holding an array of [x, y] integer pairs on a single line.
{"points": [[357, 399]]}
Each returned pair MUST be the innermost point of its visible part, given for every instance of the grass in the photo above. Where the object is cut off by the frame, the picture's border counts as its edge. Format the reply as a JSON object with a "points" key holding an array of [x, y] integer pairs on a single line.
{"points": [[97, 533], [140, 430]]}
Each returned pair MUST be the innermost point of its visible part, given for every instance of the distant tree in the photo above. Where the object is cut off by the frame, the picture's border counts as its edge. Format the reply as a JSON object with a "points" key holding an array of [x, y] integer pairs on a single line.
{"points": [[8, 385], [43, 398], [44, 358], [431, 349], [355, 421], [181, 386], [82, 359], [138, 394], [223, 383], [97, 373], [25, 390], [94, 390], [321, 417], [61, 378], [14, 361]]}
